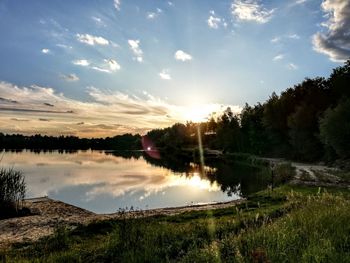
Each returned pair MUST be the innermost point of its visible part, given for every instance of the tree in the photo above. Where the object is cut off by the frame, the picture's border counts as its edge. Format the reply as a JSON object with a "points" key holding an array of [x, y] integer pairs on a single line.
{"points": [[335, 128]]}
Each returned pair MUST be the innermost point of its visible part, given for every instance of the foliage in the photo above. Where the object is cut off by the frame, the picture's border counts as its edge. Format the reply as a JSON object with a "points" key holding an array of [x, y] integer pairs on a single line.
{"points": [[120, 142], [12, 192], [283, 173], [335, 128]]}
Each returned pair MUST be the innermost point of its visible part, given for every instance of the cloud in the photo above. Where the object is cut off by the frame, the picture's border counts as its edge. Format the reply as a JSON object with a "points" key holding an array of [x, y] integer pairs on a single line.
{"points": [[251, 10], [278, 57], [213, 21], [135, 48], [299, 2], [109, 65], [106, 113], [45, 50], [164, 74], [113, 65], [275, 39], [278, 39], [81, 62], [92, 40], [98, 21], [64, 46], [335, 43], [183, 56], [101, 69], [151, 15], [70, 77], [117, 4], [293, 36], [292, 66]]}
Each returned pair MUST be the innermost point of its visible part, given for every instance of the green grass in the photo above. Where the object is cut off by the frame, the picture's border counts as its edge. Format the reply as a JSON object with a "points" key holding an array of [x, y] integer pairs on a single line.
{"points": [[288, 224]]}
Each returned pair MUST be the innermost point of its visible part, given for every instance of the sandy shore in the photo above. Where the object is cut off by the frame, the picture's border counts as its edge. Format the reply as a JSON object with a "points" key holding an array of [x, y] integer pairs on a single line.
{"points": [[49, 214]]}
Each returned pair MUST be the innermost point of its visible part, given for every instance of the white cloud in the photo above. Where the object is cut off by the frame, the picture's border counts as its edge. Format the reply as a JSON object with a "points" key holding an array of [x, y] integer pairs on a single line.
{"points": [[113, 65], [298, 2], [335, 43], [164, 74], [108, 66], [98, 21], [292, 66], [64, 46], [278, 57], [183, 56], [278, 39], [101, 69], [251, 10], [170, 3], [213, 20], [70, 77], [275, 40], [81, 62], [135, 47], [45, 50], [117, 4], [92, 40], [294, 36], [151, 15]]}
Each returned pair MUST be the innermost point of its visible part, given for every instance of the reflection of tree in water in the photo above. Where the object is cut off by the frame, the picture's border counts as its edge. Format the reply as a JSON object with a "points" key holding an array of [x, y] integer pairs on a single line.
{"points": [[233, 177], [126, 154]]}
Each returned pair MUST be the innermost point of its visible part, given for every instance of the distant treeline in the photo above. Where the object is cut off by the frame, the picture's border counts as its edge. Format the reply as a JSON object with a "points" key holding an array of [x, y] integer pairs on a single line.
{"points": [[119, 142], [309, 122]]}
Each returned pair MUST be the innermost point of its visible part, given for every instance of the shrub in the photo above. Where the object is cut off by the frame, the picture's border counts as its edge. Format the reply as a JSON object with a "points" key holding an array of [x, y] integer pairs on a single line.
{"points": [[283, 173], [12, 192]]}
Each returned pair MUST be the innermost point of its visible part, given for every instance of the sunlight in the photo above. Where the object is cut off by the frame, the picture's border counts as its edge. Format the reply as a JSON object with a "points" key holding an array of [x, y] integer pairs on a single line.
{"points": [[199, 113]]}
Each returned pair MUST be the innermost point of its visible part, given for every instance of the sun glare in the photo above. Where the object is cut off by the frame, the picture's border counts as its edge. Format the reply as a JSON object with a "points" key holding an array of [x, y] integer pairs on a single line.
{"points": [[199, 113]]}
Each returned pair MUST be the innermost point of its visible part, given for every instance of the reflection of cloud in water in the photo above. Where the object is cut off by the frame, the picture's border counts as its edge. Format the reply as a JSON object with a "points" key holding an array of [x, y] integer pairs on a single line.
{"points": [[107, 174]]}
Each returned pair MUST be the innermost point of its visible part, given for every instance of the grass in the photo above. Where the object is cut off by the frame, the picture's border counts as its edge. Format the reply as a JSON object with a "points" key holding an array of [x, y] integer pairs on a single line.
{"points": [[12, 193], [288, 224]]}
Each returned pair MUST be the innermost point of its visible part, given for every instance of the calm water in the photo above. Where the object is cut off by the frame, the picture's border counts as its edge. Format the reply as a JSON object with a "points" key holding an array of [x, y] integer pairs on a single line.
{"points": [[103, 182]]}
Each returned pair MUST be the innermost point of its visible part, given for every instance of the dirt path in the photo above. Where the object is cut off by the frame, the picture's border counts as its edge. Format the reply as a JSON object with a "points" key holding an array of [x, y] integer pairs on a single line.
{"points": [[50, 214], [313, 174]]}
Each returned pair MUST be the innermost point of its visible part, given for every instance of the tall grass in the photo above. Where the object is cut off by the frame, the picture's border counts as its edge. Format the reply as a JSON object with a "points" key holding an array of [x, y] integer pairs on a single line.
{"points": [[12, 191], [317, 232]]}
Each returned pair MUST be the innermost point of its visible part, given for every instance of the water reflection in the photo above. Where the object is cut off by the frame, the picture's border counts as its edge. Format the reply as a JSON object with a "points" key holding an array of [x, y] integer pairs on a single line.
{"points": [[106, 181]]}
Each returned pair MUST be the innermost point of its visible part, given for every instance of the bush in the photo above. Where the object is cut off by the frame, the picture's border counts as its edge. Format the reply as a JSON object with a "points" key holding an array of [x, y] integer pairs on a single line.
{"points": [[12, 192], [283, 173]]}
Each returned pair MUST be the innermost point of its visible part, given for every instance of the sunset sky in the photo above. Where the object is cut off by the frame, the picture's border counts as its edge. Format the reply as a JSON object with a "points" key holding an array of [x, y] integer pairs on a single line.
{"points": [[106, 67]]}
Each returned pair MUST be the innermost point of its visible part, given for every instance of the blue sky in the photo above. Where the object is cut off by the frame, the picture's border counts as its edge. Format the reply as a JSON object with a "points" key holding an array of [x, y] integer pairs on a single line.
{"points": [[151, 63]]}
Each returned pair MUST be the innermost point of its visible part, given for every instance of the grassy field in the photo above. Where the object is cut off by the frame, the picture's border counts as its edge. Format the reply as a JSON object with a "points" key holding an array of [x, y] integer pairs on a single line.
{"points": [[288, 224]]}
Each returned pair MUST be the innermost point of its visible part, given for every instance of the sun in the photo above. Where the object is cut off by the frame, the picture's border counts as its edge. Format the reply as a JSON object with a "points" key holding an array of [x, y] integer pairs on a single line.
{"points": [[199, 113]]}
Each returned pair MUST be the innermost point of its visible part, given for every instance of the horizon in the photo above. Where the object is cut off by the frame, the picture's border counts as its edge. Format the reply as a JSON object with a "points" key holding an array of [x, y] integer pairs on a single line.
{"points": [[106, 68]]}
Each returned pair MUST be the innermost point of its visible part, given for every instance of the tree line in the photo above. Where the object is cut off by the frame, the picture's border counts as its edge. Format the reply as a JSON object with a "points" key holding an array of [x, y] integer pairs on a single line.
{"points": [[120, 142], [309, 122]]}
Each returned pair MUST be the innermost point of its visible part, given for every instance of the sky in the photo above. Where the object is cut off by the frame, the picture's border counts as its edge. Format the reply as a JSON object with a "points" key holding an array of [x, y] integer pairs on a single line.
{"points": [[105, 67]]}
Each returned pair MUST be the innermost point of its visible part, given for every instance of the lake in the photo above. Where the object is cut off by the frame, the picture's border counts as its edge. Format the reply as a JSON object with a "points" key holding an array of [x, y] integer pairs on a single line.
{"points": [[104, 182]]}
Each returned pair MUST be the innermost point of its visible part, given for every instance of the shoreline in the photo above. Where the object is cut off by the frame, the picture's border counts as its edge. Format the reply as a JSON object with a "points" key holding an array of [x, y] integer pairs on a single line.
{"points": [[48, 214]]}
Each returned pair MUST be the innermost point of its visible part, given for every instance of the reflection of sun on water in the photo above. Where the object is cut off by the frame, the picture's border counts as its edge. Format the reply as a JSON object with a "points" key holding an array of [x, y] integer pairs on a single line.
{"points": [[196, 182]]}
